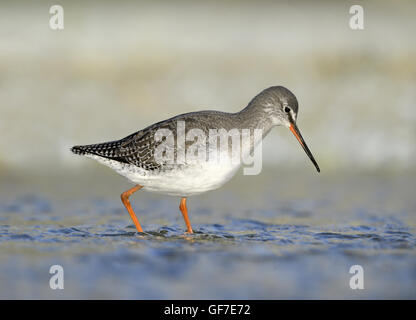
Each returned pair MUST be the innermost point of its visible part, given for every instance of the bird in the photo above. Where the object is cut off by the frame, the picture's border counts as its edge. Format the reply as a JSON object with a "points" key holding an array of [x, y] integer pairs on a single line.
{"points": [[153, 158]]}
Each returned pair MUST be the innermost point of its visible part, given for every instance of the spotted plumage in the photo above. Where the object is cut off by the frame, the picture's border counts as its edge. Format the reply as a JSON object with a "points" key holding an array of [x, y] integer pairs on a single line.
{"points": [[138, 148], [135, 155]]}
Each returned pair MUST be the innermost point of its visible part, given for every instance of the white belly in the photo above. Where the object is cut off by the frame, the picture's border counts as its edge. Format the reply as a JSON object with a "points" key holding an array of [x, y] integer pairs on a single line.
{"points": [[191, 180]]}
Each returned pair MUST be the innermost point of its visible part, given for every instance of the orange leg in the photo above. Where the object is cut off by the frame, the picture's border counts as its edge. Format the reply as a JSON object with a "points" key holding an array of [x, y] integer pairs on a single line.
{"points": [[184, 211], [125, 199]]}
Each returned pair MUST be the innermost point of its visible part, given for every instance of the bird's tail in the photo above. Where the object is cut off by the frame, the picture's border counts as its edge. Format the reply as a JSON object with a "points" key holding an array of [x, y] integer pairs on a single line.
{"points": [[106, 149], [81, 150]]}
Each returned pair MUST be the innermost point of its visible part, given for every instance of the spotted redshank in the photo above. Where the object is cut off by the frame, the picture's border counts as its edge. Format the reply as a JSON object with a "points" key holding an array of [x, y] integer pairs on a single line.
{"points": [[136, 156]]}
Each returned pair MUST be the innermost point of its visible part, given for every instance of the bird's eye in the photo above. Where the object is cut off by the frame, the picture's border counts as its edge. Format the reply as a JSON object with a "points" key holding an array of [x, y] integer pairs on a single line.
{"points": [[287, 109]]}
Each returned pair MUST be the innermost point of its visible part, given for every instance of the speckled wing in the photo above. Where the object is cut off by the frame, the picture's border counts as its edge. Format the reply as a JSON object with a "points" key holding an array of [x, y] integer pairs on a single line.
{"points": [[139, 148]]}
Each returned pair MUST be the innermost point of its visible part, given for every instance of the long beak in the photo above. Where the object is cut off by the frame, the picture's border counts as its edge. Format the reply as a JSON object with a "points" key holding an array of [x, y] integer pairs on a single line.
{"points": [[293, 127]]}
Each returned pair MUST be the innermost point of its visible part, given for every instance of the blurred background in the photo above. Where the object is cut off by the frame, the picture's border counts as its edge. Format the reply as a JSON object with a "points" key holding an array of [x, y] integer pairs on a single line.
{"points": [[120, 66]]}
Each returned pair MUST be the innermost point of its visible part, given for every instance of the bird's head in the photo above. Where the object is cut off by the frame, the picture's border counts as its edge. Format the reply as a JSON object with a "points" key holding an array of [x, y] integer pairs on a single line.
{"points": [[281, 107]]}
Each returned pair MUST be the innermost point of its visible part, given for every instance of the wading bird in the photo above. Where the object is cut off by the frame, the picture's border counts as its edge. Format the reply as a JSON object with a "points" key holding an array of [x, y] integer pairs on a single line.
{"points": [[134, 156]]}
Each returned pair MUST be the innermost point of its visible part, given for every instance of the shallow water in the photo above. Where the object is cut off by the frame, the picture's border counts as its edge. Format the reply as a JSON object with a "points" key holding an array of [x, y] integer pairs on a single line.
{"points": [[271, 236]]}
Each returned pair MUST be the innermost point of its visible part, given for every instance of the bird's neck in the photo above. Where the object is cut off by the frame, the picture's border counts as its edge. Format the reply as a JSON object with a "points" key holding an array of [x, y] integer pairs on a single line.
{"points": [[254, 117]]}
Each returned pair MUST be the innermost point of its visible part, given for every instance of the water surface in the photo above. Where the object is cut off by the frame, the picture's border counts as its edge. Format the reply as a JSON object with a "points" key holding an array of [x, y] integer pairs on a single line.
{"points": [[270, 236]]}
